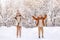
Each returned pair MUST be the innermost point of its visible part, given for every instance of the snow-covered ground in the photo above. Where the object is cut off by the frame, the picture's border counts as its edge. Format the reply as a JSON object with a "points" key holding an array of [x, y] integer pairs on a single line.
{"points": [[50, 33]]}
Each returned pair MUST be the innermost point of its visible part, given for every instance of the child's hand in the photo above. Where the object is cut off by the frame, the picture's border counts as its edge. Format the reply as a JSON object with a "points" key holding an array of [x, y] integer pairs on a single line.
{"points": [[15, 17]]}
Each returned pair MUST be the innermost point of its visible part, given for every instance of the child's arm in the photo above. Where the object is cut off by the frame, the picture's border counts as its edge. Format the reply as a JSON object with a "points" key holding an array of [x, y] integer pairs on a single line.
{"points": [[37, 22], [35, 18], [44, 17], [44, 20], [15, 17]]}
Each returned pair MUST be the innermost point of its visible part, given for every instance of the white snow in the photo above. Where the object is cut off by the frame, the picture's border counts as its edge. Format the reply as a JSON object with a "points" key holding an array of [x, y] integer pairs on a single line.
{"points": [[9, 33]]}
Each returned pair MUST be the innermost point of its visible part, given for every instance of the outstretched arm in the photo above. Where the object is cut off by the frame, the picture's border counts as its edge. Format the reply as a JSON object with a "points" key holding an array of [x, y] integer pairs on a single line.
{"points": [[44, 19], [35, 18]]}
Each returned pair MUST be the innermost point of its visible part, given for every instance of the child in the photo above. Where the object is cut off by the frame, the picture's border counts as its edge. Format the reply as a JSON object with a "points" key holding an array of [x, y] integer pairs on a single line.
{"points": [[40, 23], [18, 18]]}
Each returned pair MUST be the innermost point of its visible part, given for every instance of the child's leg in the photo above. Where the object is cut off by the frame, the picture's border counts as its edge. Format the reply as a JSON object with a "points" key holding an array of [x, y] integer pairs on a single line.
{"points": [[20, 31], [41, 29], [42, 32], [39, 32], [17, 31]]}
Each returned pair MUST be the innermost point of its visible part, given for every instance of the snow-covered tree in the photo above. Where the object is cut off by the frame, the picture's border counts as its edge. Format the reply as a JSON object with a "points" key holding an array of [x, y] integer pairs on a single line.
{"points": [[28, 8]]}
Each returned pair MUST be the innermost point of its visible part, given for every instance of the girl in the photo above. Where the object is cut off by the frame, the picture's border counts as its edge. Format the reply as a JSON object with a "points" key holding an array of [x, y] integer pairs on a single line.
{"points": [[40, 23], [18, 18]]}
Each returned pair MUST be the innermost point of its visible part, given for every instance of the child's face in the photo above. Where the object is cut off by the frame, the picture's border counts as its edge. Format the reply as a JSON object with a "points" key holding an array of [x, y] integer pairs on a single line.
{"points": [[39, 16], [17, 14]]}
